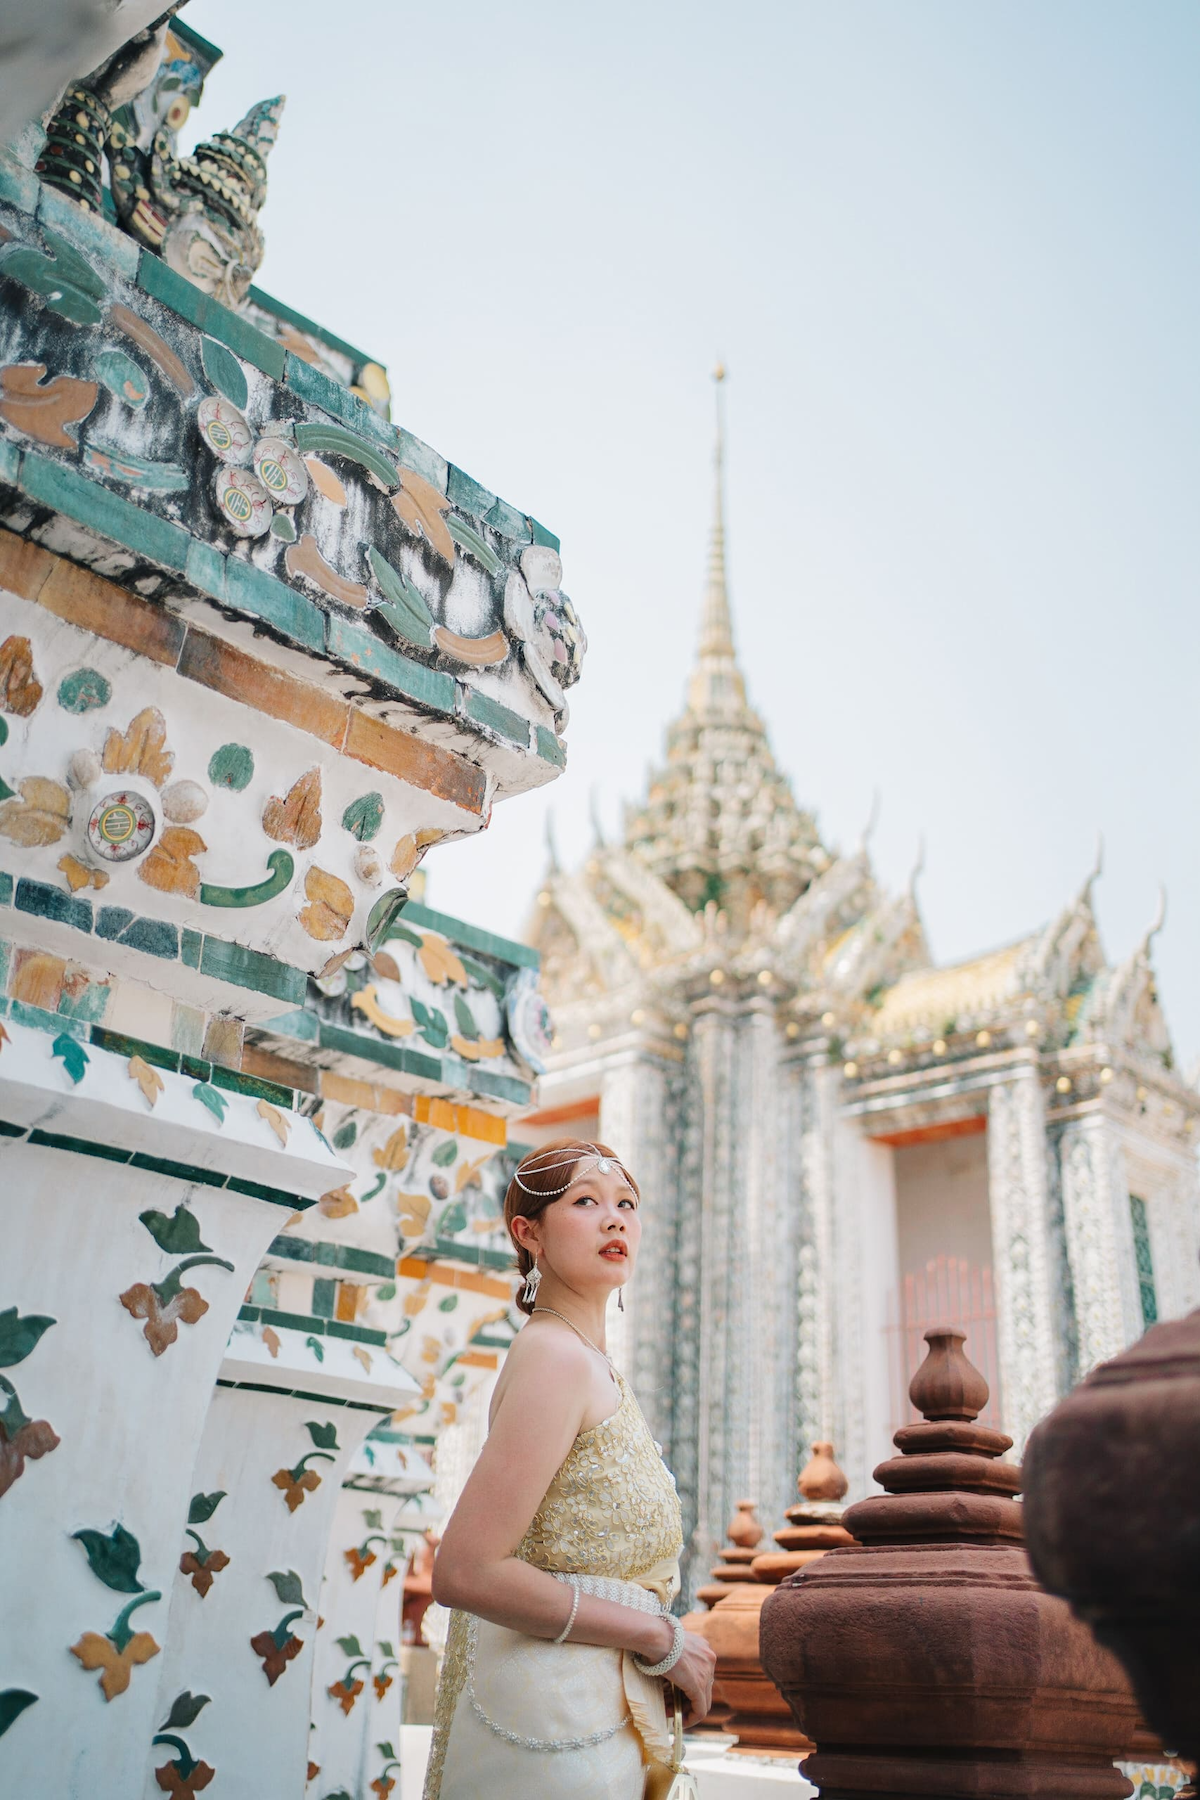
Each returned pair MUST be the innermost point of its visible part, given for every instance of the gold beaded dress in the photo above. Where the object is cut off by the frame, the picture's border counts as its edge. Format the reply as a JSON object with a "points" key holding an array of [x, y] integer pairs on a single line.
{"points": [[519, 1717]]}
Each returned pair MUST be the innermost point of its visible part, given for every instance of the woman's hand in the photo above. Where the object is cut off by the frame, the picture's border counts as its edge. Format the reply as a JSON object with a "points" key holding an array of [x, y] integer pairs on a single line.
{"points": [[693, 1676]]}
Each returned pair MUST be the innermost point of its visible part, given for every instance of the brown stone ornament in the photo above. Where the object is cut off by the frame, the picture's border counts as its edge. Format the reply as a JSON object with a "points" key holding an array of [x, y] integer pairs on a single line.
{"points": [[1112, 1512], [925, 1660]]}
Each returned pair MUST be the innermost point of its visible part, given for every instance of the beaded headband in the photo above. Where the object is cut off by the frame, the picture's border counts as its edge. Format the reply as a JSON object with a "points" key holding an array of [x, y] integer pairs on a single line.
{"points": [[570, 1161]]}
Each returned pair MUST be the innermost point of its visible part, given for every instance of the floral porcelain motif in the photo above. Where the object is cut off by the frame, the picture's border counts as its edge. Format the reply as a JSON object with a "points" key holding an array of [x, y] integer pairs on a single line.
{"points": [[224, 430], [121, 826], [244, 501]]}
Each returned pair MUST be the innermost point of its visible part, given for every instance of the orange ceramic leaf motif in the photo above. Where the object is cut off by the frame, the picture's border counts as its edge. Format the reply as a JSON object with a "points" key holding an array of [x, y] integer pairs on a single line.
{"points": [[385, 966], [382, 1683], [382, 1784], [305, 559], [274, 1119], [4, 1037], [358, 1564], [468, 1173], [472, 1049], [202, 1573], [183, 1787], [414, 1213], [169, 867], [337, 960], [142, 750], [39, 816], [314, 1769], [43, 409], [476, 653], [79, 875], [294, 1487], [270, 1338], [364, 1357], [34, 1439], [439, 961], [332, 905], [96, 1652], [147, 1078], [296, 819], [338, 1203], [275, 1657], [185, 1307], [394, 1153], [366, 1002], [390, 1572], [325, 481], [415, 1302], [421, 507], [345, 1693], [20, 691], [409, 851]]}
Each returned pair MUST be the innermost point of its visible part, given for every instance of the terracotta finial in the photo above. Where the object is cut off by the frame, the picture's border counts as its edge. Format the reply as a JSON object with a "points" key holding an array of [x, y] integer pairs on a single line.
{"points": [[947, 1386], [820, 1478], [744, 1529]]}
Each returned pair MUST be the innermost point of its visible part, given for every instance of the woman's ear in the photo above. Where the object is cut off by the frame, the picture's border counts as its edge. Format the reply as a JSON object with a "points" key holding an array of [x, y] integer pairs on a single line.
{"points": [[526, 1233]]}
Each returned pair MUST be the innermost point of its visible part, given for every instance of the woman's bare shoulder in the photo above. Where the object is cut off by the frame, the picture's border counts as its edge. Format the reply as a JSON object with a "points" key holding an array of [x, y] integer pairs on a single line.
{"points": [[543, 1360]]}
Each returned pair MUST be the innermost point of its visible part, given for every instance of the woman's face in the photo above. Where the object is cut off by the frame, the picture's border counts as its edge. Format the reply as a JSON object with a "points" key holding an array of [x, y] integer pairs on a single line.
{"points": [[588, 1238]]}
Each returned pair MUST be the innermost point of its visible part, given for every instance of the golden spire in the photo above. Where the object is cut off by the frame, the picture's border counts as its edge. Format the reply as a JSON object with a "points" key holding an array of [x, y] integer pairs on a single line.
{"points": [[717, 680]]}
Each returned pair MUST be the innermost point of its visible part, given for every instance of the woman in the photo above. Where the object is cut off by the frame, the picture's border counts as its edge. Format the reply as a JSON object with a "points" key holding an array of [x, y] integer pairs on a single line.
{"points": [[562, 1556]]}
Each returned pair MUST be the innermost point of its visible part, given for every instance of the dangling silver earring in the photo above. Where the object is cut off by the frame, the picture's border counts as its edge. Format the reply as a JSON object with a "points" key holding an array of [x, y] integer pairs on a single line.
{"points": [[620, 1299], [533, 1282]]}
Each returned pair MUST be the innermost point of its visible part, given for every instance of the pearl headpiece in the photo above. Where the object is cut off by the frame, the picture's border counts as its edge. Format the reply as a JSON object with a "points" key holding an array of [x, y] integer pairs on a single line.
{"points": [[570, 1162]]}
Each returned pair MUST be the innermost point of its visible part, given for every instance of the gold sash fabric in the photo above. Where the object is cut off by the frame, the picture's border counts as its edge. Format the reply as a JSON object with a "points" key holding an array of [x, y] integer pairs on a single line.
{"points": [[504, 1698]]}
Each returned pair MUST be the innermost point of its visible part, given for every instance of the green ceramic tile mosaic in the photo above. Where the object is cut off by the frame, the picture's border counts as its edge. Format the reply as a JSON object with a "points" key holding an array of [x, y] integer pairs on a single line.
{"points": [[471, 937], [550, 748], [252, 1087], [255, 591], [88, 503], [252, 969], [432, 687], [468, 494], [205, 569], [119, 1044], [45, 902], [497, 717]]}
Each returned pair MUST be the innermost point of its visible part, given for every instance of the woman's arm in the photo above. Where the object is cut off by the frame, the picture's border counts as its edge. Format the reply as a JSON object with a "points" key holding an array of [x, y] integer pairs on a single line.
{"points": [[536, 1421]]}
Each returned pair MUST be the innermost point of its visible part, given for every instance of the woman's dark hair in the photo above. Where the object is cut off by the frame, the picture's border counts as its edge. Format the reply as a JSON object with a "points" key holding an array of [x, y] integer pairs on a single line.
{"points": [[546, 1173]]}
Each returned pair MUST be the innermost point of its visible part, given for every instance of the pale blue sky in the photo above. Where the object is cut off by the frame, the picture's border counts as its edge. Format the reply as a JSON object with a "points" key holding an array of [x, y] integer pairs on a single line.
{"points": [[951, 255]]}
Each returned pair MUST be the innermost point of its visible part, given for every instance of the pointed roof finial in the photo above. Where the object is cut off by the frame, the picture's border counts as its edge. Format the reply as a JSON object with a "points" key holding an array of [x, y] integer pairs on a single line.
{"points": [[918, 869], [716, 630], [717, 681], [872, 821], [597, 821], [1160, 919]]}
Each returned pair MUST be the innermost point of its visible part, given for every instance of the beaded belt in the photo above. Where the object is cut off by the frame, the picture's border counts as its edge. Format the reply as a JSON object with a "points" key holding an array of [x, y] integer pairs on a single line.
{"points": [[599, 1587], [607, 1587]]}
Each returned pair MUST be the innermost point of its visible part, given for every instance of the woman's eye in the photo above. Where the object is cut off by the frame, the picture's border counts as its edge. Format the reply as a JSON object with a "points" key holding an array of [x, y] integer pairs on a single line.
{"points": [[585, 1200], [631, 1204]]}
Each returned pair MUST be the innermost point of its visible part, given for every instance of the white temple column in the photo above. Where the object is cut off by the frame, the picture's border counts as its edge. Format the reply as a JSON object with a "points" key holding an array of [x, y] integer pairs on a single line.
{"points": [[722, 1275], [1099, 1236], [633, 1120], [767, 1310], [1018, 1190], [812, 1112]]}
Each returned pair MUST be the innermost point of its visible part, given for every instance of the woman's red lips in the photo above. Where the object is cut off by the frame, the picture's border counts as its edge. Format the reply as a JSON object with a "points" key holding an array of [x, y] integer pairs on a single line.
{"points": [[614, 1250]]}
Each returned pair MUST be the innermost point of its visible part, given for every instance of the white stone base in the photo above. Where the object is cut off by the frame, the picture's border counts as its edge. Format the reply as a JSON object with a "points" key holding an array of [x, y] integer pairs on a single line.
{"points": [[719, 1775]]}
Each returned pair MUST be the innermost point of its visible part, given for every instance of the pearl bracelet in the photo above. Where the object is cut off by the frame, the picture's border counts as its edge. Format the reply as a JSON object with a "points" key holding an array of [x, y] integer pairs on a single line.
{"points": [[565, 1633], [670, 1659]]}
